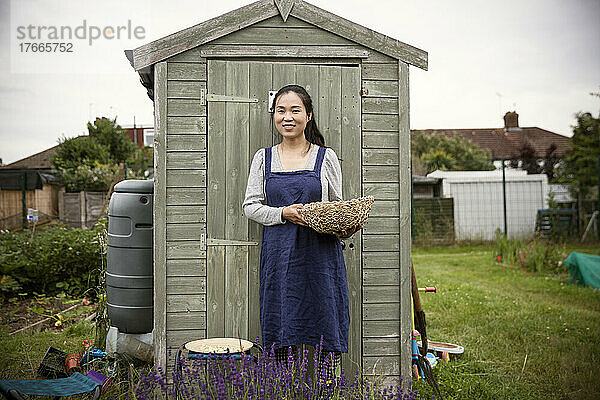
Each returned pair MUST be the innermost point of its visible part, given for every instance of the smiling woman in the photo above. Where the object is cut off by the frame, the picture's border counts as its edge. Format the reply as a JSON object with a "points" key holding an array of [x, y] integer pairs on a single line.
{"points": [[303, 283]]}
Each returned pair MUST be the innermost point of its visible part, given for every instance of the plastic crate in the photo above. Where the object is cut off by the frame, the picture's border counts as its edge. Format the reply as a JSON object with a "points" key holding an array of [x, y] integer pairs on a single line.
{"points": [[53, 364]]}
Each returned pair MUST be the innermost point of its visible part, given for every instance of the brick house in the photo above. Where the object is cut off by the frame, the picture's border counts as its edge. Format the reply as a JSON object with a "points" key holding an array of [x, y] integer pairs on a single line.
{"points": [[509, 141]]}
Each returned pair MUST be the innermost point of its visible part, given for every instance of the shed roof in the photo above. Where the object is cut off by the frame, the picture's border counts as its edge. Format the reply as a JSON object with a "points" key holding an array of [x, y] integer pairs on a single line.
{"points": [[204, 32]]}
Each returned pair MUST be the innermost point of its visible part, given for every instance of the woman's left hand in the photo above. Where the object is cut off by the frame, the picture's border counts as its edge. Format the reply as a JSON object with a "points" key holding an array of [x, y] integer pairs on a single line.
{"points": [[347, 233]]}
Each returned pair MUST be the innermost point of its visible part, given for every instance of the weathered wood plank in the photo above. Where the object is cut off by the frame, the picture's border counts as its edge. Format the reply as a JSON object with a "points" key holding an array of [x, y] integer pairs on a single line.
{"points": [[380, 294], [191, 267], [185, 232], [380, 242], [185, 108], [381, 312], [380, 329], [380, 71], [379, 105], [284, 51], [283, 74], [186, 125], [380, 122], [179, 321], [350, 152], [236, 224], [203, 32], [159, 215], [384, 208], [186, 142], [359, 34], [282, 36], [186, 196], [384, 140], [388, 259], [186, 71], [381, 346], [380, 157], [380, 88], [386, 365], [405, 220], [215, 297], [190, 214], [307, 76], [177, 338], [381, 226], [190, 56], [186, 285], [185, 89], [183, 250], [376, 57], [186, 178], [381, 277], [329, 106], [260, 137], [381, 191], [186, 302], [382, 173], [384, 381], [186, 160]]}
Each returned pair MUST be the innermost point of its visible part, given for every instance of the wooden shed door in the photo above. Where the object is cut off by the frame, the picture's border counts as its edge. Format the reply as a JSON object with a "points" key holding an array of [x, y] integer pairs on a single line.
{"points": [[239, 124]]}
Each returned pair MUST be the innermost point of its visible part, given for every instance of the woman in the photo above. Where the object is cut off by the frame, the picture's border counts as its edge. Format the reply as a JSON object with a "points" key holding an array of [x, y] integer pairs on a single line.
{"points": [[303, 285]]}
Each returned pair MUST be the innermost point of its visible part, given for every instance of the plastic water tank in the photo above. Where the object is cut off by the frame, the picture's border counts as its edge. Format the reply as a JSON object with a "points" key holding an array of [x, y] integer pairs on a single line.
{"points": [[129, 272]]}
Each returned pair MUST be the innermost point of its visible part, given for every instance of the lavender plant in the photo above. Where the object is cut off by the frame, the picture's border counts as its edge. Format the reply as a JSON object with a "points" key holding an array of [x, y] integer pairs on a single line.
{"points": [[261, 378]]}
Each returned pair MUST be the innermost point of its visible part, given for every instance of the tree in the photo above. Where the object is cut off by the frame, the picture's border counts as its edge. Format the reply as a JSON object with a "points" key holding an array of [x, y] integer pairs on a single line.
{"points": [[530, 162], [79, 151], [581, 159], [91, 162], [438, 151], [106, 132]]}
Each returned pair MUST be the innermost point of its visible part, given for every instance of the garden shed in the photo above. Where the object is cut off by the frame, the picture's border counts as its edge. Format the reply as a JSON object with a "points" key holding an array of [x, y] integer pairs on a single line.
{"points": [[210, 85]]}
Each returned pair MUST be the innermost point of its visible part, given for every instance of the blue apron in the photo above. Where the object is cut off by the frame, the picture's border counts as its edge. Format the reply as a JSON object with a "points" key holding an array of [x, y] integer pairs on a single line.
{"points": [[303, 284]]}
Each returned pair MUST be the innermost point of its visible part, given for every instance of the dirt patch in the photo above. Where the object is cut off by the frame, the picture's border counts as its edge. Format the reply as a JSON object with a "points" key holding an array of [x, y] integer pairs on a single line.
{"points": [[60, 312]]}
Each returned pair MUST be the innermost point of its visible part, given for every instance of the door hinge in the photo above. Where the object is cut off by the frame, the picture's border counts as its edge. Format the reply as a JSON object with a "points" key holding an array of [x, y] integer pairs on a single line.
{"points": [[226, 242], [205, 97]]}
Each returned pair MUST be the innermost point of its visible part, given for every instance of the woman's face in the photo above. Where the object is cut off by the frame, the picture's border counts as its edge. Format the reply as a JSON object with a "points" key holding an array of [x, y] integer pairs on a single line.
{"points": [[290, 115]]}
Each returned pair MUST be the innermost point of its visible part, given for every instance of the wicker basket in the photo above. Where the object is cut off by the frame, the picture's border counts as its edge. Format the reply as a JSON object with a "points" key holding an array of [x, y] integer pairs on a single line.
{"points": [[336, 217]]}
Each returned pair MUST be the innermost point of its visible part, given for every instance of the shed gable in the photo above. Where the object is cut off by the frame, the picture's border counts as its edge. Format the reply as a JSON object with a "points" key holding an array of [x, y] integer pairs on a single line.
{"points": [[226, 24]]}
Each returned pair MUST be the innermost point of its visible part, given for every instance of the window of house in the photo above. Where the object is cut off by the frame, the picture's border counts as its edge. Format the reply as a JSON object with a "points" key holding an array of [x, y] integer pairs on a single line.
{"points": [[149, 137]]}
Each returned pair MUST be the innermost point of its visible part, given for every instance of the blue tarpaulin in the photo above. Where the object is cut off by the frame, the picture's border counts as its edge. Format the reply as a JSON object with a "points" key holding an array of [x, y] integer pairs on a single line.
{"points": [[584, 268]]}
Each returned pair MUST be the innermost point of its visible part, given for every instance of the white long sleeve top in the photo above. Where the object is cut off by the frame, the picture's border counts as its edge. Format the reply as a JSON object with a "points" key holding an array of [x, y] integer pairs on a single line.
{"points": [[254, 202]]}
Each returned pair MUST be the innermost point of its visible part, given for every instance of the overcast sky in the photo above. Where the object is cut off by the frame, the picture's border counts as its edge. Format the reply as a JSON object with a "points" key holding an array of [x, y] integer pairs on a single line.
{"points": [[540, 58]]}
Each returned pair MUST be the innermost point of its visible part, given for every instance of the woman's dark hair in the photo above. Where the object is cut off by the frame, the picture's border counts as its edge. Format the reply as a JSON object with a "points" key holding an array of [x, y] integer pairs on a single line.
{"points": [[311, 132]]}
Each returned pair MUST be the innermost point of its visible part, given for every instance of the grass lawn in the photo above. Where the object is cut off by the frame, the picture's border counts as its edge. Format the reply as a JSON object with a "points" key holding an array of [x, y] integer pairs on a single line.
{"points": [[20, 354], [525, 337]]}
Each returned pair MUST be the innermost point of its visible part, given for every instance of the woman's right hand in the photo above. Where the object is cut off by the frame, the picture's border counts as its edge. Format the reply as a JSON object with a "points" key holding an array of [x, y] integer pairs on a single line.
{"points": [[291, 214]]}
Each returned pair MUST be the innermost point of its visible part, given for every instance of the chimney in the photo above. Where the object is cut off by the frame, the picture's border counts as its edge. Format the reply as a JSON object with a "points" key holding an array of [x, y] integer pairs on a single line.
{"points": [[511, 120]]}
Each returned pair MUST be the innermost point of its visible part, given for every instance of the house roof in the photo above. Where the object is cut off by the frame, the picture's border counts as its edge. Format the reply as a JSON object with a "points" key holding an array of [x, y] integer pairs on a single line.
{"points": [[39, 160], [507, 143], [149, 54]]}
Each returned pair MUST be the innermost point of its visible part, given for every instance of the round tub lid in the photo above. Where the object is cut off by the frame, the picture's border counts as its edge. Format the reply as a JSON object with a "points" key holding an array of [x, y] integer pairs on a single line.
{"points": [[219, 345], [135, 186]]}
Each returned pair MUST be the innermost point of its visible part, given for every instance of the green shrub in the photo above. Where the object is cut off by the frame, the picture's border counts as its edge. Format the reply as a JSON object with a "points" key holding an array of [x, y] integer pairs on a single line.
{"points": [[534, 255], [55, 260]]}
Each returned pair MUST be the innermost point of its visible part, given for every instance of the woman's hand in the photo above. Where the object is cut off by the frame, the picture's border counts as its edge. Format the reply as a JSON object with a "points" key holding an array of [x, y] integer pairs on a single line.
{"points": [[346, 234], [291, 214]]}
